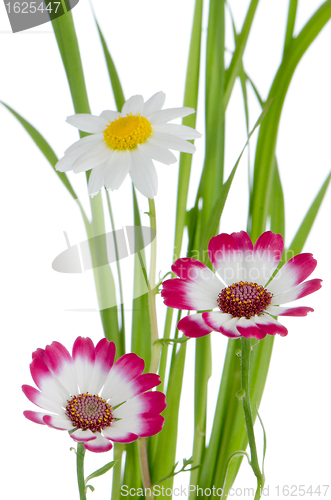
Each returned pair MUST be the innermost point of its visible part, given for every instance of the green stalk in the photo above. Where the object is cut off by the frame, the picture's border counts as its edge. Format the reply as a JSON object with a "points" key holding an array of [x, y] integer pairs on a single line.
{"points": [[80, 455], [156, 346], [117, 471], [236, 62], [245, 365], [143, 459]]}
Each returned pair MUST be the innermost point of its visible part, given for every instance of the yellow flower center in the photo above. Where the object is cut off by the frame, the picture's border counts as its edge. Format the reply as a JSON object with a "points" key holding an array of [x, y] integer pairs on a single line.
{"points": [[128, 132]]}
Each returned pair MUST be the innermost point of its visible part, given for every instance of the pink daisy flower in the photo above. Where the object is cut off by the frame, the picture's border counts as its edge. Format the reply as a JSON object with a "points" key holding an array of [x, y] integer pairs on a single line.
{"points": [[101, 401], [247, 296]]}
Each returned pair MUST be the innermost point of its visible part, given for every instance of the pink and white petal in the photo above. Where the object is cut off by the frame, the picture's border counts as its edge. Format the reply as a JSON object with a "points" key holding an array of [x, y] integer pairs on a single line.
{"points": [[110, 116], [194, 326], [249, 329], [104, 359], [83, 353], [99, 444], [187, 295], [39, 399], [47, 382], [167, 115], [268, 251], [35, 416], [157, 153], [270, 326], [182, 131], [172, 142], [197, 272], [56, 422], [119, 432], [293, 272], [243, 242], [217, 319], [127, 367], [96, 180], [60, 362], [85, 144], [153, 402], [297, 292], [134, 105], [154, 103], [143, 174], [93, 158], [88, 123], [81, 436], [289, 311], [229, 329], [228, 259], [140, 384], [116, 169], [144, 424]]}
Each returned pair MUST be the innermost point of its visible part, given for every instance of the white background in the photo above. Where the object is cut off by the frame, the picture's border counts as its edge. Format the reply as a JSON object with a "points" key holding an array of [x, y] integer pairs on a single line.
{"points": [[149, 43]]}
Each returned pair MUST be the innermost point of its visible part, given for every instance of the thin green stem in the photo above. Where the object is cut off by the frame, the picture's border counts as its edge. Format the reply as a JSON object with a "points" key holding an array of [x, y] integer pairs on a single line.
{"points": [[143, 459], [156, 346], [254, 462], [80, 454], [118, 267], [117, 471]]}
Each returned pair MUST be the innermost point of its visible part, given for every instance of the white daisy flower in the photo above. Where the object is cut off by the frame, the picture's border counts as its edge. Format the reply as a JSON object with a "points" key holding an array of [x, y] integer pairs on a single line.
{"points": [[127, 142]]}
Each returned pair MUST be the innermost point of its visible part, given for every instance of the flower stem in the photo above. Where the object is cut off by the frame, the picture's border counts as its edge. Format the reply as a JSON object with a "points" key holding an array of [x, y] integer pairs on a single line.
{"points": [[156, 347], [254, 463], [143, 459], [80, 454]]}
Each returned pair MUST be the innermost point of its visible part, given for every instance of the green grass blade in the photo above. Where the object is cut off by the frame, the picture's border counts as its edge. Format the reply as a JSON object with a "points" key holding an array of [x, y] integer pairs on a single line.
{"points": [[113, 75], [292, 12], [44, 147], [267, 139], [202, 374], [161, 464], [236, 62], [190, 100], [302, 234], [141, 337], [66, 38], [213, 220]]}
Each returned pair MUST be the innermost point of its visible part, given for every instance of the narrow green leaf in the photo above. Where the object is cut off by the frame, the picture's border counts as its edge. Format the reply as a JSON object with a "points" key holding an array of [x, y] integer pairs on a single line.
{"points": [[302, 234], [202, 373], [44, 147], [267, 139], [141, 337], [113, 75], [292, 11], [66, 38], [235, 65], [167, 438], [214, 218], [190, 100], [101, 471]]}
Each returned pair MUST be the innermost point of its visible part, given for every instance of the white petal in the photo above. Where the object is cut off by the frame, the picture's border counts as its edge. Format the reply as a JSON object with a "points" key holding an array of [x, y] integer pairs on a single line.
{"points": [[181, 131], [154, 103], [96, 180], [116, 169], [82, 144], [87, 123], [157, 153], [143, 174], [166, 115], [172, 142], [110, 116], [81, 435], [92, 159], [134, 105]]}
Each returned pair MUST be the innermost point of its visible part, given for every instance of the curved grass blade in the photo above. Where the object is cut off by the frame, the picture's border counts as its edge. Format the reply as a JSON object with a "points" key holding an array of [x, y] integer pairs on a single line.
{"points": [[44, 147]]}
